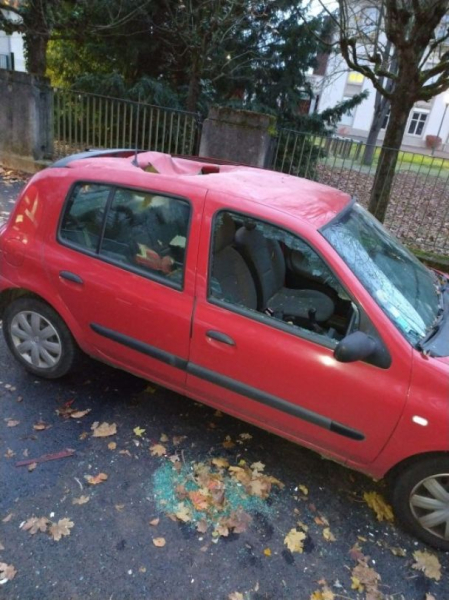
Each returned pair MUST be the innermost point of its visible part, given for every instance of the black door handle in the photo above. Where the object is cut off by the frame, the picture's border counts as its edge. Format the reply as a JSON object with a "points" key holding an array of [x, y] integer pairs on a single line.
{"points": [[220, 337], [71, 277]]}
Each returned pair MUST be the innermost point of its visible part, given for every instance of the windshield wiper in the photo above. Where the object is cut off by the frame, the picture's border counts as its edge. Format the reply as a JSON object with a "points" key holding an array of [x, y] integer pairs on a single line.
{"points": [[435, 328]]}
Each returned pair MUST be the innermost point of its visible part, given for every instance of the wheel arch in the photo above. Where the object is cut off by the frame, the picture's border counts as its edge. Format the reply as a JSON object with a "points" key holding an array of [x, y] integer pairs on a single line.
{"points": [[411, 460]]}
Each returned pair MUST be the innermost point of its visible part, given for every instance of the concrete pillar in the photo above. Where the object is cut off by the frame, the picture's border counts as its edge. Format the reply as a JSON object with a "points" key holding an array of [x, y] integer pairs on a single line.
{"points": [[26, 120], [239, 136]]}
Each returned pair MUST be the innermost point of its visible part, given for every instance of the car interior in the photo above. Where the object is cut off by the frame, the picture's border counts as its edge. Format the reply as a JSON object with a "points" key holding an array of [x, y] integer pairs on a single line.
{"points": [[265, 269]]}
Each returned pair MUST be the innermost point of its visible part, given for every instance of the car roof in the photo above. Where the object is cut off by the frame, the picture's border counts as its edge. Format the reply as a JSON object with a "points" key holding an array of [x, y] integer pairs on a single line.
{"points": [[301, 198]]}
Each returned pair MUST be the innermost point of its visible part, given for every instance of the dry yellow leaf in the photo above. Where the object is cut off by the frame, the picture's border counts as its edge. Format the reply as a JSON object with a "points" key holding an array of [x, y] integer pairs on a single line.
{"points": [[228, 443], [104, 430], [81, 500], [221, 463], [324, 594], [36, 524], [245, 436], [183, 513], [32, 466], [236, 596], [11, 423], [9, 453], [155, 522], [303, 489], [258, 466], [139, 431], [112, 445], [328, 535], [163, 438], [119, 507], [294, 540], [158, 450], [40, 426], [428, 564], [7, 572], [267, 552], [375, 501], [96, 479], [78, 414], [7, 518], [62, 527], [159, 542]]}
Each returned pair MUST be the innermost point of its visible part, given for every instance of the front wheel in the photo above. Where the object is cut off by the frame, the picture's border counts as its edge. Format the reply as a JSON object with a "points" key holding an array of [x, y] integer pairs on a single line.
{"points": [[38, 338], [420, 498]]}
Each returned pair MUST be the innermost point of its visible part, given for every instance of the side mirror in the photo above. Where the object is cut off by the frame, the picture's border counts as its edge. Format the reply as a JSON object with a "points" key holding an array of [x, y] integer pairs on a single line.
{"points": [[355, 346]]}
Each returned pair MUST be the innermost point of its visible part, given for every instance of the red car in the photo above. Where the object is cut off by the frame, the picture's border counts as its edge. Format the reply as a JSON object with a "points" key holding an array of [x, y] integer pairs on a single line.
{"points": [[273, 298]]}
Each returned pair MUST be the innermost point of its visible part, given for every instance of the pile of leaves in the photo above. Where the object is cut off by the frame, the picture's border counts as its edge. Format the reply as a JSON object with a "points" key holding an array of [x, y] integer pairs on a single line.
{"points": [[214, 494]]}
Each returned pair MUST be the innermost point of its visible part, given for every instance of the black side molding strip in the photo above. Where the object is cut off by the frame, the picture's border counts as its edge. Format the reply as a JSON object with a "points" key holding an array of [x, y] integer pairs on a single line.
{"points": [[165, 357], [230, 384], [274, 402]]}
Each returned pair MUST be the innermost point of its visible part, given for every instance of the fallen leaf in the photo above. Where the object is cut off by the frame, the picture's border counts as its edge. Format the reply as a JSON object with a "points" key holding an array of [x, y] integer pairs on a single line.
{"points": [[7, 518], [375, 501], [83, 435], [328, 535], [257, 466], [163, 438], [228, 443], [183, 513], [9, 453], [199, 500], [356, 552], [159, 542], [149, 389], [236, 596], [245, 436], [81, 500], [112, 445], [201, 526], [155, 522], [366, 578], [62, 527], [11, 423], [41, 426], [125, 452], [119, 507], [221, 463], [294, 540], [32, 466], [7, 572], [218, 413], [177, 439], [96, 479], [267, 552], [142, 569], [158, 450], [139, 431], [78, 414], [303, 489], [428, 564], [36, 524], [324, 594], [104, 430]]}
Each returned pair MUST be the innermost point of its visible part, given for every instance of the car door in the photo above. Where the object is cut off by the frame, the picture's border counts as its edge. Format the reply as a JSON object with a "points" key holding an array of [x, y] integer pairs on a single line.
{"points": [[284, 377], [124, 266]]}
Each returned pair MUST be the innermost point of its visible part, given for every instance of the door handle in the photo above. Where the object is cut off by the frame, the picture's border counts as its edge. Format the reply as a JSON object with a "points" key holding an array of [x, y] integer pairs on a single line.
{"points": [[71, 277], [220, 337]]}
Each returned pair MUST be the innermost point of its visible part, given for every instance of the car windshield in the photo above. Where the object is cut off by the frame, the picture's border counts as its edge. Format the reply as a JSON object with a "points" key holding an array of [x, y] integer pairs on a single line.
{"points": [[404, 288]]}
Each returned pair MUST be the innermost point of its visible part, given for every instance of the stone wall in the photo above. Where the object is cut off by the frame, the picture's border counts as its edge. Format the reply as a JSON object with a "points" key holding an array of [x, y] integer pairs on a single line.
{"points": [[239, 136], [26, 114]]}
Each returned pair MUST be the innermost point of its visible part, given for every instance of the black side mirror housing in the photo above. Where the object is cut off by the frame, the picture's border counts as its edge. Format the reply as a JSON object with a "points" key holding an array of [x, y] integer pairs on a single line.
{"points": [[355, 346]]}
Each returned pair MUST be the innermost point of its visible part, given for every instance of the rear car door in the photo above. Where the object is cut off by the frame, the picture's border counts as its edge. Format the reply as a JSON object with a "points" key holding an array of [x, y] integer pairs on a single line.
{"points": [[278, 370], [123, 262]]}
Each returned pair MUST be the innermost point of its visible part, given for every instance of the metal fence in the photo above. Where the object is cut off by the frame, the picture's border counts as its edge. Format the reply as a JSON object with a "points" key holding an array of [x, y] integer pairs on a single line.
{"points": [[83, 121], [418, 212]]}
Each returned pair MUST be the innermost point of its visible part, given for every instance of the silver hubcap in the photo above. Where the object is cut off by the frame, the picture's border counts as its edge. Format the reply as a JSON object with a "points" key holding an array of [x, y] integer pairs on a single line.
{"points": [[35, 339], [429, 503]]}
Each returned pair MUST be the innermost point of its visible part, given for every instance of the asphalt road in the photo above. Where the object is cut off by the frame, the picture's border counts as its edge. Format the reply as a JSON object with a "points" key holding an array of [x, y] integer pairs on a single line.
{"points": [[110, 553]]}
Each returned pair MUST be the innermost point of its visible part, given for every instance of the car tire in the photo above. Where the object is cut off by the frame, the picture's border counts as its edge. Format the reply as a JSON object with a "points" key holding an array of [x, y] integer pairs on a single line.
{"points": [[420, 498], [39, 339]]}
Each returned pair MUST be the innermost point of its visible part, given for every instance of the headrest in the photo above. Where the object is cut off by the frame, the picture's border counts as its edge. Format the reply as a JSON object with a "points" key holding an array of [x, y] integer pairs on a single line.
{"points": [[224, 235]]}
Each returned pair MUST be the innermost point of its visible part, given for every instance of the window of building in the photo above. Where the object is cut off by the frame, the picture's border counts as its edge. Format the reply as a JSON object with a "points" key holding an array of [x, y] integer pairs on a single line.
{"points": [[355, 78], [386, 120], [417, 122]]}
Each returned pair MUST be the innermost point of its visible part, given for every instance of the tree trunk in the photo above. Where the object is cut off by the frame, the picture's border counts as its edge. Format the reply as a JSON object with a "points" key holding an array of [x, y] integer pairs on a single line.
{"points": [[193, 93], [380, 112], [36, 53], [401, 106]]}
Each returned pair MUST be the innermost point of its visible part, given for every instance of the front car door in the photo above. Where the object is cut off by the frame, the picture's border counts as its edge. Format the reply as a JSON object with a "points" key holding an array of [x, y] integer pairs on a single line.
{"points": [[278, 370]]}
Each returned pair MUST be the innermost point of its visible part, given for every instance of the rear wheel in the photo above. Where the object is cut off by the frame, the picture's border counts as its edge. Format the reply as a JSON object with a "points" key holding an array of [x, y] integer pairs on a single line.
{"points": [[420, 497], [38, 338]]}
